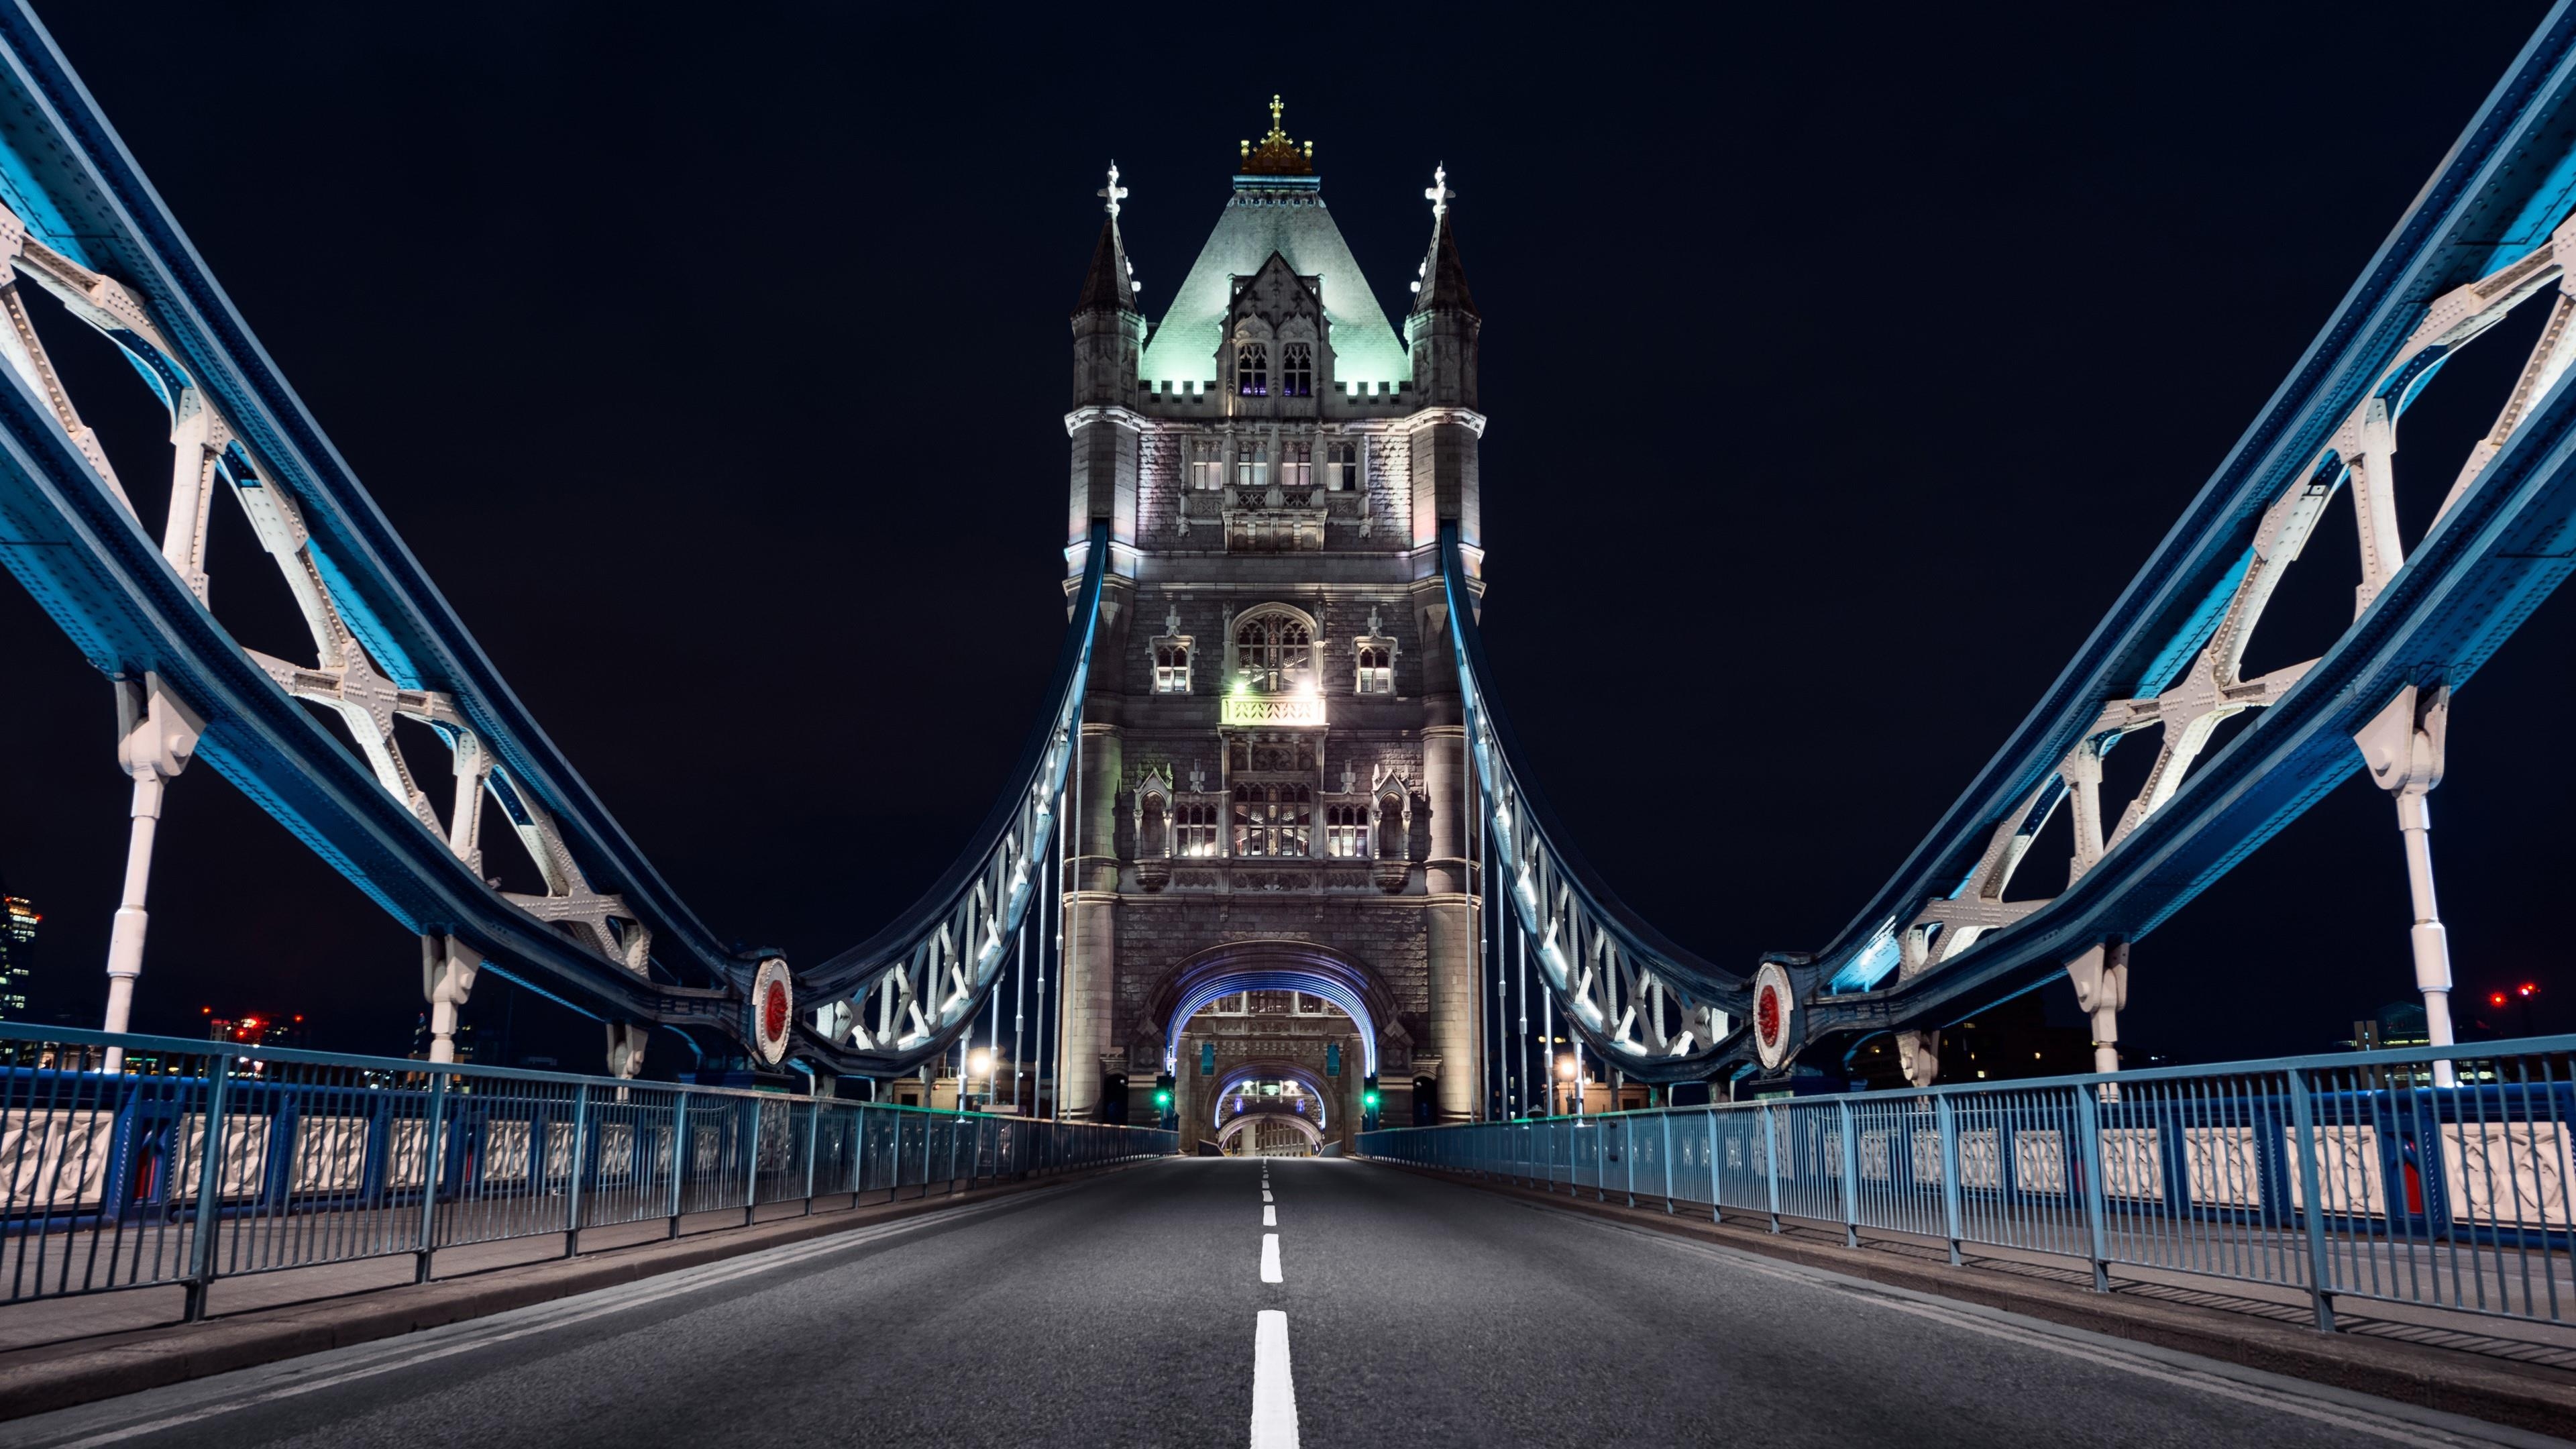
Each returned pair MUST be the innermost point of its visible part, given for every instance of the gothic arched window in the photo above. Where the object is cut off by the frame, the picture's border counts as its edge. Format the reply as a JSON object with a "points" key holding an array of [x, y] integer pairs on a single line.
{"points": [[1252, 369], [1297, 369], [1342, 466], [1195, 827], [1171, 666], [1346, 832], [1377, 668], [1272, 819], [1207, 464], [1252, 465], [1274, 649]]}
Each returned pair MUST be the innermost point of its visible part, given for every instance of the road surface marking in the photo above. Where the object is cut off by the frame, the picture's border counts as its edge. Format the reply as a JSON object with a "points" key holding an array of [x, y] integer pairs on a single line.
{"points": [[1274, 1393], [1269, 1216], [1265, 1194], [1270, 1258]]}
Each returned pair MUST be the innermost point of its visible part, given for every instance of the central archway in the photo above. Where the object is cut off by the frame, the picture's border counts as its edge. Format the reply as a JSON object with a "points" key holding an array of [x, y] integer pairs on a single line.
{"points": [[1237, 1125], [1316, 1087], [1318, 971]]}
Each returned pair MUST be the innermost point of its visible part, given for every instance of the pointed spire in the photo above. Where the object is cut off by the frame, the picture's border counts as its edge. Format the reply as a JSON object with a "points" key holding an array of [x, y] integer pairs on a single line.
{"points": [[1443, 281], [1110, 284]]}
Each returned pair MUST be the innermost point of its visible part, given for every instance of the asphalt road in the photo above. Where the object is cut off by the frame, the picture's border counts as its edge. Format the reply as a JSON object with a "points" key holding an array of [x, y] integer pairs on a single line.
{"points": [[1133, 1310]]}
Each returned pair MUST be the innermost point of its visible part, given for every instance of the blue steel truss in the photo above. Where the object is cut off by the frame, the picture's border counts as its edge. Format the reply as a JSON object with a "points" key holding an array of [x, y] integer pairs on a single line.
{"points": [[2489, 230], [2507, 539], [2498, 549], [94, 226]]}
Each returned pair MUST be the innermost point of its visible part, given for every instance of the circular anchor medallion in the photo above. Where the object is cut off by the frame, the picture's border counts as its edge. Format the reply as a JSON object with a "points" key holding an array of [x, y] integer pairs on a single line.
{"points": [[1775, 1004], [773, 1011]]}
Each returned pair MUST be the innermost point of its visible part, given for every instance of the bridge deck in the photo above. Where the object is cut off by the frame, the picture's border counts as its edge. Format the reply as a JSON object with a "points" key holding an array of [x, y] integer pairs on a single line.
{"points": [[1124, 1311]]}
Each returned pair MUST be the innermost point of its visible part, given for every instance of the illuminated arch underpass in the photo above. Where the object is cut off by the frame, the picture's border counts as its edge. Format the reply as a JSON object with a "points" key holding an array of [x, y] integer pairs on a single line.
{"points": [[1348, 1002], [1281, 1011], [1272, 1133], [1256, 1084]]}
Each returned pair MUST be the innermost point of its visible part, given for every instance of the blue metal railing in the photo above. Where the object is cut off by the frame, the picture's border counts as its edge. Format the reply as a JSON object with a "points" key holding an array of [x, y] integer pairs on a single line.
{"points": [[2347, 1176], [203, 1160]]}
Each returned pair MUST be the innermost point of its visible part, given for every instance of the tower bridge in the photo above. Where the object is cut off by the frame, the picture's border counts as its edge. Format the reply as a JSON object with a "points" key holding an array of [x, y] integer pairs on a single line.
{"points": [[1271, 873]]}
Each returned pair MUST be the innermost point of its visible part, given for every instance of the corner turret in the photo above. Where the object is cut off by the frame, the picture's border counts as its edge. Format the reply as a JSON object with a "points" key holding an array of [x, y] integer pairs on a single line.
{"points": [[1440, 331], [1108, 331], [1440, 336], [1108, 343]]}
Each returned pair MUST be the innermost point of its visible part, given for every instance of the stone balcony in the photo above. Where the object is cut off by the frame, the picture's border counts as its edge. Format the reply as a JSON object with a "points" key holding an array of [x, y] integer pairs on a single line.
{"points": [[1273, 519]]}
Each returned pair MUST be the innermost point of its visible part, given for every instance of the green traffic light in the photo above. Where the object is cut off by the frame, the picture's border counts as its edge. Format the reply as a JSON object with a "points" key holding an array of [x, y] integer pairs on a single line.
{"points": [[1368, 1099], [1162, 1099]]}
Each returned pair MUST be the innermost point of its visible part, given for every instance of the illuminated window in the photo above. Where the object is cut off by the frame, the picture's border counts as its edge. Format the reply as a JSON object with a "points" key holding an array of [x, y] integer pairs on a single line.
{"points": [[1172, 666], [1252, 369], [1346, 832], [1207, 463], [1297, 369], [1194, 829], [1273, 649], [1375, 654], [1342, 466], [1377, 666], [1272, 819], [1297, 465], [1252, 465]]}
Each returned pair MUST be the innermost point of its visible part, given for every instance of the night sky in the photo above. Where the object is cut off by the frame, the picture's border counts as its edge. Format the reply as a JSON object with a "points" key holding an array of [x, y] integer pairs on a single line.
{"points": [[1842, 368]]}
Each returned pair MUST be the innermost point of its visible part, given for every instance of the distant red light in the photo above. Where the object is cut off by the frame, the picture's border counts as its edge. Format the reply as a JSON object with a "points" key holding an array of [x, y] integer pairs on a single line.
{"points": [[2528, 989], [2496, 1000]]}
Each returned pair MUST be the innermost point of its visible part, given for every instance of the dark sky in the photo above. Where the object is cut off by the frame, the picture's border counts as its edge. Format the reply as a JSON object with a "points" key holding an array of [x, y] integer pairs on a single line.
{"points": [[1842, 367]]}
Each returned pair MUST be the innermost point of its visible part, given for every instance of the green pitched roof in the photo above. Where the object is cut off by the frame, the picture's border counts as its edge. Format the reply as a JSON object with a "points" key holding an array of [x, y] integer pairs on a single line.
{"points": [[1262, 217]]}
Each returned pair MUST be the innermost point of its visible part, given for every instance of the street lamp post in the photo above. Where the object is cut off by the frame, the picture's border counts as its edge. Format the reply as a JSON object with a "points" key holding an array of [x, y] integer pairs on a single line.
{"points": [[979, 1063], [1569, 1068]]}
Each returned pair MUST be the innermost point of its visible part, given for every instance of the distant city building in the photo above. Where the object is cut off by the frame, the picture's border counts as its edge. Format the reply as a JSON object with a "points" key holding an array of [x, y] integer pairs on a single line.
{"points": [[18, 922], [2398, 1024], [257, 1028]]}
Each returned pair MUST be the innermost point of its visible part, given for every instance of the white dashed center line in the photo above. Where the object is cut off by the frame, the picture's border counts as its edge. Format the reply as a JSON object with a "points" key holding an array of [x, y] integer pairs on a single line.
{"points": [[1270, 1262], [1269, 1216], [1274, 1393]]}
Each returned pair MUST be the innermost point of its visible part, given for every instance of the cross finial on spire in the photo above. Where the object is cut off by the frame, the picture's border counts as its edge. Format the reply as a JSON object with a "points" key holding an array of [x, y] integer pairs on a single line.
{"points": [[1113, 190], [1276, 155], [1438, 192]]}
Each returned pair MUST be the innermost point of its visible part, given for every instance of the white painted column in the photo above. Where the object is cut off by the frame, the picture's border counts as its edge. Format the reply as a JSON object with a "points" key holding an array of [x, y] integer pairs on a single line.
{"points": [[2432, 944], [2403, 748], [447, 970], [156, 737], [2101, 978], [1918, 1054], [625, 1046]]}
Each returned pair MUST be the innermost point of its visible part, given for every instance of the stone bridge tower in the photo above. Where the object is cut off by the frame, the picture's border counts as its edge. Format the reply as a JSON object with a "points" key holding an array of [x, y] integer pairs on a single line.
{"points": [[1274, 870]]}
